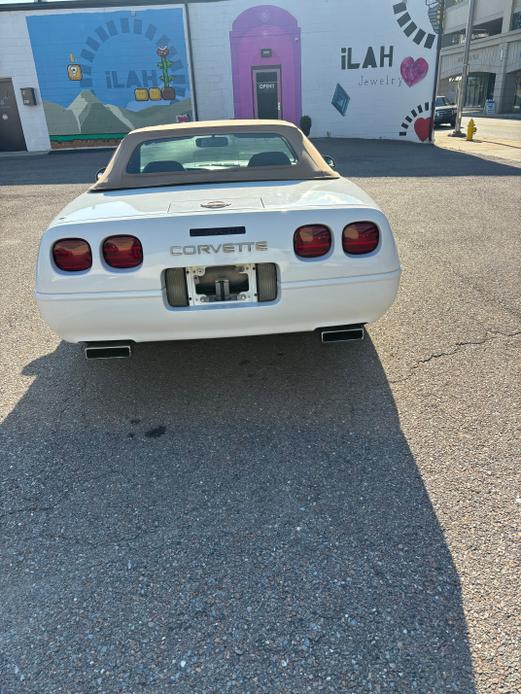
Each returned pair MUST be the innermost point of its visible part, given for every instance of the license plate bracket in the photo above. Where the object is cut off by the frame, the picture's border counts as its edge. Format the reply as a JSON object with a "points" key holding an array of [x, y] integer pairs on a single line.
{"points": [[231, 284]]}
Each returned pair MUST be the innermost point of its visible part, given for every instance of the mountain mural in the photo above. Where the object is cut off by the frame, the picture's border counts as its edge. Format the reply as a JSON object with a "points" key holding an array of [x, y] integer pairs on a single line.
{"points": [[87, 115], [103, 73]]}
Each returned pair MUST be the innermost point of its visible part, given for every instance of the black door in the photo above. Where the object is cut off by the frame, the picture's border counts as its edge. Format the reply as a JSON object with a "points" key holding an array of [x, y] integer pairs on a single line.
{"points": [[267, 93], [11, 133]]}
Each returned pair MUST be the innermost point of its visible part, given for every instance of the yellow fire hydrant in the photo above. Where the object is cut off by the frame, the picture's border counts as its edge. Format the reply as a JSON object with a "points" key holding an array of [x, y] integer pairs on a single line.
{"points": [[471, 129]]}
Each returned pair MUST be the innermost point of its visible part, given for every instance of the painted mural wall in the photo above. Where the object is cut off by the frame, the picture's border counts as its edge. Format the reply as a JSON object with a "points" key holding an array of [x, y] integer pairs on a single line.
{"points": [[104, 73], [358, 69]]}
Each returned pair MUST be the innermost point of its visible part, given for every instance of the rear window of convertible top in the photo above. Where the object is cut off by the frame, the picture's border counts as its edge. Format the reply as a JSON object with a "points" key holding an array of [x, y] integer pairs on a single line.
{"points": [[217, 152]]}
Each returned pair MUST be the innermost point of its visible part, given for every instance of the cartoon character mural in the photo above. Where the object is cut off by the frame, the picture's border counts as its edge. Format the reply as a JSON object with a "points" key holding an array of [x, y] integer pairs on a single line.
{"points": [[266, 64], [127, 69], [74, 71]]}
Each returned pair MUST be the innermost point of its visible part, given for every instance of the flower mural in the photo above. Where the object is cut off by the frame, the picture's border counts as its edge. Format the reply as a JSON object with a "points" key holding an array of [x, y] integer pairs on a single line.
{"points": [[165, 64]]}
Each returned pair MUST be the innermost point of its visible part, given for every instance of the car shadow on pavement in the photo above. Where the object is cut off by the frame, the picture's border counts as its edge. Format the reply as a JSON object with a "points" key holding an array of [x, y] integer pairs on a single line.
{"points": [[390, 159], [60, 167], [354, 159], [222, 514]]}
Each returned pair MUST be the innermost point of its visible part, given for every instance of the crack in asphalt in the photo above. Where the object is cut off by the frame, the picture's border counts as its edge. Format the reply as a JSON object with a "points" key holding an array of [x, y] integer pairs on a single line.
{"points": [[484, 292], [36, 508], [27, 509], [458, 346], [123, 540]]}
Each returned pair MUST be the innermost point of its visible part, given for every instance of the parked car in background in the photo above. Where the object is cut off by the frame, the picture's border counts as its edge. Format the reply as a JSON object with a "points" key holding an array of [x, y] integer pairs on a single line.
{"points": [[205, 230], [444, 112]]}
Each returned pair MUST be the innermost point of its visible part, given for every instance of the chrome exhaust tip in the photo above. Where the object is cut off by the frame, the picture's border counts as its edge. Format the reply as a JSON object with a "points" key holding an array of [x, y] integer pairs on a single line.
{"points": [[342, 333], [107, 350]]}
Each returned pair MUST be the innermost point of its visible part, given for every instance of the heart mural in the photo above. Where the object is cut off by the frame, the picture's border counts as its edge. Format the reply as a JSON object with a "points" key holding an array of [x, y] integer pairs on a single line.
{"points": [[413, 71], [421, 124], [422, 128]]}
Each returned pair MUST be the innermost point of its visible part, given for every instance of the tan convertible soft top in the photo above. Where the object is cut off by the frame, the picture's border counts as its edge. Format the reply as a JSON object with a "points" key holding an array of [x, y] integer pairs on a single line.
{"points": [[310, 164]]}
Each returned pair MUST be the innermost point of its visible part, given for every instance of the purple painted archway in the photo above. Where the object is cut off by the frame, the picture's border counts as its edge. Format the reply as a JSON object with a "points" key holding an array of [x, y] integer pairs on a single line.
{"points": [[262, 37]]}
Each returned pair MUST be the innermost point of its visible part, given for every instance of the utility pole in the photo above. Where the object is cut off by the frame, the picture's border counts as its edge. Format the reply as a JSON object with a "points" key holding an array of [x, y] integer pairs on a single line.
{"points": [[465, 72], [437, 25]]}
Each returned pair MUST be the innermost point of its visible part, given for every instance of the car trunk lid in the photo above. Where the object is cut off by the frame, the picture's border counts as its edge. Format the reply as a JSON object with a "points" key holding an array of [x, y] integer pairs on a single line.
{"points": [[213, 199], [204, 201]]}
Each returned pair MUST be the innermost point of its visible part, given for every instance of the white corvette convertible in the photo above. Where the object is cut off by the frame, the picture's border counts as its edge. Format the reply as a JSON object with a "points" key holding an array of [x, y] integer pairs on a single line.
{"points": [[215, 229]]}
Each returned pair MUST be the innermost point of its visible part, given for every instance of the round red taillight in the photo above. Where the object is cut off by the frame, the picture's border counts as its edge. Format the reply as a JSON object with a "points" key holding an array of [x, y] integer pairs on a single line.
{"points": [[312, 241], [72, 255], [123, 251], [360, 238]]}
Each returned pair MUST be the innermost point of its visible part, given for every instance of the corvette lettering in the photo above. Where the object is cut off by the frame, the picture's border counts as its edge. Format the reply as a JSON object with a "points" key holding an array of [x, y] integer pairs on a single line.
{"points": [[245, 247]]}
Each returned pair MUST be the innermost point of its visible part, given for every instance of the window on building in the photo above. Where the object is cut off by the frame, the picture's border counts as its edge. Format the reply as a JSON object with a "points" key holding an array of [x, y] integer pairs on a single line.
{"points": [[456, 38], [516, 21], [479, 31], [516, 103], [480, 87], [483, 31]]}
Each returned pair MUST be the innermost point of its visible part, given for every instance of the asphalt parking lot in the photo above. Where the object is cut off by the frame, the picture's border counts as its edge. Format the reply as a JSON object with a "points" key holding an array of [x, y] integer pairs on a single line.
{"points": [[269, 514]]}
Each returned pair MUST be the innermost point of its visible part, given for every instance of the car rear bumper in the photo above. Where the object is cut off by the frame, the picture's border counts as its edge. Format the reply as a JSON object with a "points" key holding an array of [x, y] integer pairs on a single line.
{"points": [[444, 118], [145, 316]]}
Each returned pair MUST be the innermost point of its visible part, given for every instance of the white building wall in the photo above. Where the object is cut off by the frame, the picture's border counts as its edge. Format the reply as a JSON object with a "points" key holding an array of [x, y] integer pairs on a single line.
{"points": [[499, 54], [486, 58], [16, 62], [380, 99], [513, 55], [375, 110], [484, 11], [211, 57]]}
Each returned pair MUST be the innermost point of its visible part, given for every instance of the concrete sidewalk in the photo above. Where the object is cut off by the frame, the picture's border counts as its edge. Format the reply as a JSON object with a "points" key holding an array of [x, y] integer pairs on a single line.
{"points": [[496, 129], [485, 146]]}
